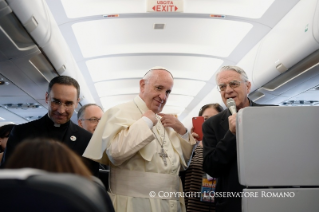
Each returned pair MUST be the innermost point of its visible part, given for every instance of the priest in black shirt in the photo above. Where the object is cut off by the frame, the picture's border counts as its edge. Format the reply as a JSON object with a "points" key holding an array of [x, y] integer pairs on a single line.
{"points": [[62, 98]]}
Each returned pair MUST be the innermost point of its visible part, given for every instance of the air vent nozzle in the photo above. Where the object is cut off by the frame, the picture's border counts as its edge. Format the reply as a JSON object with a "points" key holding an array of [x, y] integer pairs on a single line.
{"points": [[159, 26]]}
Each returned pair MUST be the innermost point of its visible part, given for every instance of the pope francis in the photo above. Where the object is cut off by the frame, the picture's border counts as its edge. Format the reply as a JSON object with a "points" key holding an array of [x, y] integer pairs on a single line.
{"points": [[144, 148]]}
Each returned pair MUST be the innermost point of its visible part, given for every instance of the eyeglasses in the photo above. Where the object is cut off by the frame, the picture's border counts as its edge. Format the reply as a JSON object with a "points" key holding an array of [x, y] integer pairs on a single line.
{"points": [[232, 84], [92, 120], [56, 103]]}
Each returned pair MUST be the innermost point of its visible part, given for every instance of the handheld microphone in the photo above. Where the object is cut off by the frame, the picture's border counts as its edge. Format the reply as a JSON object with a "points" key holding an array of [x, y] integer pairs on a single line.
{"points": [[231, 105]]}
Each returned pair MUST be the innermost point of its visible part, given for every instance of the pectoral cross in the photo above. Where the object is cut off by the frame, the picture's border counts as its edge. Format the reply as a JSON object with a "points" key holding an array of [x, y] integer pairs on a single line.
{"points": [[163, 155]]}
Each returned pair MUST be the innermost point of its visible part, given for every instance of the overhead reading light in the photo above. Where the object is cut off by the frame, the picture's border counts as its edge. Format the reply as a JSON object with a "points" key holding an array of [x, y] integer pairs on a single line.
{"points": [[21, 106], [2, 82], [316, 88]]}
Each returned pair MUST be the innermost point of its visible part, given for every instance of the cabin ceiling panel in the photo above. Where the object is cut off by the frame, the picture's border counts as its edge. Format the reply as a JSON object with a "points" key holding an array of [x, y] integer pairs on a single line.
{"points": [[191, 46], [10, 117], [9, 89], [84, 8], [187, 87], [2, 57], [241, 8], [131, 86], [121, 36], [110, 101], [179, 101], [187, 66], [173, 110]]}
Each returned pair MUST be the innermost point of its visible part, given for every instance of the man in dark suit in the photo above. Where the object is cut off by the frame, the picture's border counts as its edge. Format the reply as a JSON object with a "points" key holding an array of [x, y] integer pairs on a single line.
{"points": [[62, 98], [220, 156]]}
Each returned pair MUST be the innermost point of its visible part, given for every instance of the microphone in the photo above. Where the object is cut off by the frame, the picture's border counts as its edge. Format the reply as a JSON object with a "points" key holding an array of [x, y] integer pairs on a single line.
{"points": [[231, 105]]}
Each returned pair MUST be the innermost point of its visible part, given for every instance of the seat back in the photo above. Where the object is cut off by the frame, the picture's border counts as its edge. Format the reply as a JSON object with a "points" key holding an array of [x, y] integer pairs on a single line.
{"points": [[35, 190]]}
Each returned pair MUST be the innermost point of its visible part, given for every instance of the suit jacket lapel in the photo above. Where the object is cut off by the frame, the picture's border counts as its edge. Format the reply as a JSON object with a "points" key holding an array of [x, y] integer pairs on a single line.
{"points": [[40, 127], [224, 120]]}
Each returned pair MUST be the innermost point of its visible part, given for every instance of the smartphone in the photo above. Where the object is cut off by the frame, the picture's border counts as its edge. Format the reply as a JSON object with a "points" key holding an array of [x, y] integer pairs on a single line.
{"points": [[197, 124]]}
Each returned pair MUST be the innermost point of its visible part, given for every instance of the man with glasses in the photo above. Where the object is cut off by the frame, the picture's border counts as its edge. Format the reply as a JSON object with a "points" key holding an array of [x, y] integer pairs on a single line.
{"points": [[220, 156], [62, 98], [89, 116]]}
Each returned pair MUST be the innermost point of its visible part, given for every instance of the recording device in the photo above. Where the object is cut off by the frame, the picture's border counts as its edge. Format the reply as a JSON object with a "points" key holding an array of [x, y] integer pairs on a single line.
{"points": [[231, 105], [197, 124]]}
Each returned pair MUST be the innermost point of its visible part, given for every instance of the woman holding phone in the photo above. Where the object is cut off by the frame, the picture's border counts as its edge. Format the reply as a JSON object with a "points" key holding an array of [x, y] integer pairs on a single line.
{"points": [[194, 173]]}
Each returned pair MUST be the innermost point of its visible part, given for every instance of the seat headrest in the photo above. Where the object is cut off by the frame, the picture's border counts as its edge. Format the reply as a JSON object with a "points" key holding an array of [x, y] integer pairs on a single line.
{"points": [[36, 190], [20, 174]]}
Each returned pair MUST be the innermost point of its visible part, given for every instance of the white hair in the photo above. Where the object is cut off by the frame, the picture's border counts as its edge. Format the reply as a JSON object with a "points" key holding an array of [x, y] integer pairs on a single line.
{"points": [[237, 69], [149, 73]]}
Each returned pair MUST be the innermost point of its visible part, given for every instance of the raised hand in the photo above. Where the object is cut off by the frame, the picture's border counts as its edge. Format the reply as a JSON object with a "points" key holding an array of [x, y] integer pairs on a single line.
{"points": [[232, 123], [195, 135], [151, 115], [169, 120]]}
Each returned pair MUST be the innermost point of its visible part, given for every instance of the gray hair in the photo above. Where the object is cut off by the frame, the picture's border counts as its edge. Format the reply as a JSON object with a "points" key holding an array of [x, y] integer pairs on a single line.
{"points": [[82, 109], [237, 69], [150, 72]]}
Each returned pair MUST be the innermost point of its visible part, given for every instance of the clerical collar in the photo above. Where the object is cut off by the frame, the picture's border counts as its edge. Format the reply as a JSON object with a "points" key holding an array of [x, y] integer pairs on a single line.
{"points": [[51, 123]]}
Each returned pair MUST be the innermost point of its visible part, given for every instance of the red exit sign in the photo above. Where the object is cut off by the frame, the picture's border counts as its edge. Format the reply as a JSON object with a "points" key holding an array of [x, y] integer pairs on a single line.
{"points": [[165, 6]]}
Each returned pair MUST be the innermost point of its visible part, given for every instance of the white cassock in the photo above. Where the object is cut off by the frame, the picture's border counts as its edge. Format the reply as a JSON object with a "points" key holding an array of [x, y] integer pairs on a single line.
{"points": [[124, 141]]}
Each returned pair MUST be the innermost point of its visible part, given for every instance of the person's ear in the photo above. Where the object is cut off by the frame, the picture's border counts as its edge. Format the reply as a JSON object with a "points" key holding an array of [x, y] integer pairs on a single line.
{"points": [[80, 123], [248, 84], [142, 85], [77, 102]]}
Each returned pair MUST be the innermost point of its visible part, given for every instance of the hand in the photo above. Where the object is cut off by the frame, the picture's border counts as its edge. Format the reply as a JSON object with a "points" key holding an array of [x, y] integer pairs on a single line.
{"points": [[173, 122], [151, 115], [195, 135], [232, 123]]}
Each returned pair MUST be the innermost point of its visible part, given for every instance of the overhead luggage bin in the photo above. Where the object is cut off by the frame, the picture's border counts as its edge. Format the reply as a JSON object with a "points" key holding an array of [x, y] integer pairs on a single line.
{"points": [[41, 25], [294, 38]]}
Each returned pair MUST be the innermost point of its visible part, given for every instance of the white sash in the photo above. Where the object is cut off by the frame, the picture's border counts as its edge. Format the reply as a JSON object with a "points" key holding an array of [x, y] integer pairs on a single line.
{"points": [[140, 184]]}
